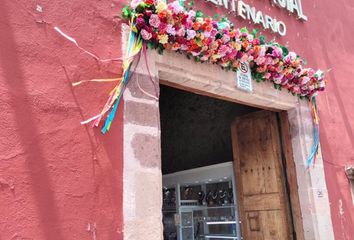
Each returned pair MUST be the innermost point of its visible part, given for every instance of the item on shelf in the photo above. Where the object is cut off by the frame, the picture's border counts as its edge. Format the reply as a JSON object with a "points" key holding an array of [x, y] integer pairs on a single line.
{"points": [[215, 196], [188, 192], [201, 196], [169, 198], [230, 195], [209, 198], [222, 197]]}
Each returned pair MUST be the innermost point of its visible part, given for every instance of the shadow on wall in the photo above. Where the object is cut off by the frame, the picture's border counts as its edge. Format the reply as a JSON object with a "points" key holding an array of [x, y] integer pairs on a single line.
{"points": [[336, 180], [27, 130]]}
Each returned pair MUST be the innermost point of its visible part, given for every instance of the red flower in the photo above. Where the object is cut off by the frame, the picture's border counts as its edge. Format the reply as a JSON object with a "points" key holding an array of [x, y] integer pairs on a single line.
{"points": [[147, 12], [149, 2], [163, 16]]}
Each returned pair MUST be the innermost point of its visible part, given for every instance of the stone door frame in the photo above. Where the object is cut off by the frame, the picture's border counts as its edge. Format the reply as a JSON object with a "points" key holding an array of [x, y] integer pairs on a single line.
{"points": [[142, 178]]}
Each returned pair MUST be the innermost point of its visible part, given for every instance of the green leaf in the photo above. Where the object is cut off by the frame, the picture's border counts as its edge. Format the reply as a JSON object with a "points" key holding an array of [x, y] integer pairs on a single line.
{"points": [[216, 16], [191, 3], [257, 76], [254, 32], [199, 14], [160, 49], [224, 19], [262, 39], [285, 51], [244, 30], [126, 13], [141, 7], [150, 45]]}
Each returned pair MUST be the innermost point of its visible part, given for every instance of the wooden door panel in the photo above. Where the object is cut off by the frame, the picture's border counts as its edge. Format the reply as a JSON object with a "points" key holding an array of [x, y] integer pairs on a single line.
{"points": [[272, 229], [260, 180], [262, 225], [262, 202]]}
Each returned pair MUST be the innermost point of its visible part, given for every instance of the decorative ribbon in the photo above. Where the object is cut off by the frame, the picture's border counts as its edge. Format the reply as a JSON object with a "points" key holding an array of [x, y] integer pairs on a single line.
{"points": [[96, 80], [316, 139], [82, 49], [135, 45]]}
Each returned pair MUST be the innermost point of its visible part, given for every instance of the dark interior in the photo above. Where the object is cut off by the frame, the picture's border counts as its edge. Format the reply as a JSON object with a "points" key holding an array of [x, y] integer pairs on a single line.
{"points": [[195, 129]]}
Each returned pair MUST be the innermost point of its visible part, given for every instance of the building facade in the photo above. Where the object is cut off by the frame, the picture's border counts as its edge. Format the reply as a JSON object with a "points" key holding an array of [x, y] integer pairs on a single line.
{"points": [[63, 180]]}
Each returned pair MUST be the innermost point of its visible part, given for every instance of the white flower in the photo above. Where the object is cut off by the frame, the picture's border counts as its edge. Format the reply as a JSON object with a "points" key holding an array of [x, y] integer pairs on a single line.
{"points": [[135, 3]]}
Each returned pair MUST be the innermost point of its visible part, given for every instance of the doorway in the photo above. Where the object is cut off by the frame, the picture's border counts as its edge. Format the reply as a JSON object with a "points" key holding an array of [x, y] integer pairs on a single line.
{"points": [[198, 132]]}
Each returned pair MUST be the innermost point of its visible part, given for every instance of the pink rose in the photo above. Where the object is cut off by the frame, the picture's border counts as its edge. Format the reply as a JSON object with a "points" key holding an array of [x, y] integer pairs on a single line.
{"points": [[277, 52], [171, 30], [191, 13], [175, 7], [191, 34], [223, 50], [290, 57], [162, 27], [145, 35], [154, 21], [206, 34], [181, 32], [195, 54], [244, 58], [225, 38], [305, 80], [260, 60]]}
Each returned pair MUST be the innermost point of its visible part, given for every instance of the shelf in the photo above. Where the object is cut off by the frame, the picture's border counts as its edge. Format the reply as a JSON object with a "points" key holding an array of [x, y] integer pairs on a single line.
{"points": [[221, 222], [206, 207], [218, 237]]}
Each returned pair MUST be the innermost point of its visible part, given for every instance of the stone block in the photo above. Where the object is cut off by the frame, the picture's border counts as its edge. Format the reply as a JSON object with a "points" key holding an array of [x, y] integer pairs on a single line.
{"points": [[142, 114], [148, 84], [147, 150]]}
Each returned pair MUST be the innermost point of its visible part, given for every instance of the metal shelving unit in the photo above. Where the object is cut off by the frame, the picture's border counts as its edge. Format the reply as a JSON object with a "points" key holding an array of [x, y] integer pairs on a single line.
{"points": [[205, 203]]}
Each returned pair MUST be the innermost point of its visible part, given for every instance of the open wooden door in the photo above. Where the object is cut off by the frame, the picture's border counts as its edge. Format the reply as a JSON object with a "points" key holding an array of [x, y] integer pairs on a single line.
{"points": [[260, 179]]}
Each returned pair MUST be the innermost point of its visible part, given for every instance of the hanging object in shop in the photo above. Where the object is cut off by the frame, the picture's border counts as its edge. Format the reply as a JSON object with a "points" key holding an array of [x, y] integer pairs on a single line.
{"points": [[243, 77]]}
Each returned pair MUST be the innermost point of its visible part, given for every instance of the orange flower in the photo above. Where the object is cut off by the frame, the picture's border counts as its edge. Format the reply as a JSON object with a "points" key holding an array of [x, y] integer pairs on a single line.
{"points": [[245, 44], [257, 49], [236, 64], [167, 46], [196, 26], [176, 46]]}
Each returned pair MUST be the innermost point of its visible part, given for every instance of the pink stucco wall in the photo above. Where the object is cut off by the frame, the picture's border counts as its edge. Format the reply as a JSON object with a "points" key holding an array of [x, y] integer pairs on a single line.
{"points": [[57, 177]]}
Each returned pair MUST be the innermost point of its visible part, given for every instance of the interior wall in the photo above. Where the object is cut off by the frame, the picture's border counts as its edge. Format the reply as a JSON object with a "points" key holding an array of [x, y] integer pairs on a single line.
{"points": [[195, 129]]}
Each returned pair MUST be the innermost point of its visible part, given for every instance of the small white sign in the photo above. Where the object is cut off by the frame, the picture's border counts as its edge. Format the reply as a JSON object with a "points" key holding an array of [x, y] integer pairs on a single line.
{"points": [[243, 78]]}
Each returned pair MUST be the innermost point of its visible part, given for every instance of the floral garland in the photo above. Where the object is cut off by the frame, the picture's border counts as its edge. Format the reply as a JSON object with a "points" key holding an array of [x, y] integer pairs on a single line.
{"points": [[171, 27], [161, 26]]}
